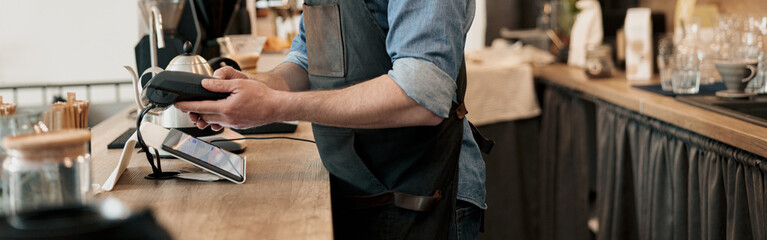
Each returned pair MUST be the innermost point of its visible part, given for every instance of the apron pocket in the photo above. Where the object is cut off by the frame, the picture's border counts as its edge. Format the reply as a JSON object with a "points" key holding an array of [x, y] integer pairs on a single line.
{"points": [[336, 147], [324, 42]]}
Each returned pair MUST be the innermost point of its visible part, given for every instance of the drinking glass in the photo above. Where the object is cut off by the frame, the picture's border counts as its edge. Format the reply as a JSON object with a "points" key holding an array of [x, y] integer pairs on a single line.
{"points": [[697, 38], [758, 84], [686, 73], [665, 61]]}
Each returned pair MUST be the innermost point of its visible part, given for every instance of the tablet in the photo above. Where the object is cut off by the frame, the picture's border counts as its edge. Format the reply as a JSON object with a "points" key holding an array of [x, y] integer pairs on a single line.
{"points": [[202, 154]]}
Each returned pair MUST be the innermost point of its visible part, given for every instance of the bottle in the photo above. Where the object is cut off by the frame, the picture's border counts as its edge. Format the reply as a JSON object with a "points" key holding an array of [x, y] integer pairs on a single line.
{"points": [[543, 23], [639, 46], [587, 30]]}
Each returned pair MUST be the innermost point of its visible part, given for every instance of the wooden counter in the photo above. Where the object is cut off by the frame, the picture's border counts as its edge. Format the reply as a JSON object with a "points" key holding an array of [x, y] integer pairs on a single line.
{"points": [[286, 195], [617, 90]]}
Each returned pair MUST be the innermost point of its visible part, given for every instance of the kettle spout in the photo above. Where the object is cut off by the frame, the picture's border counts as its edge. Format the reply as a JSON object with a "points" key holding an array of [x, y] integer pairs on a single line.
{"points": [[136, 87]]}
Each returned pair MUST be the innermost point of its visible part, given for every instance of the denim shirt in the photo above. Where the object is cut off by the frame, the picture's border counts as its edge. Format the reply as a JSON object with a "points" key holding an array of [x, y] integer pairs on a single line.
{"points": [[425, 40]]}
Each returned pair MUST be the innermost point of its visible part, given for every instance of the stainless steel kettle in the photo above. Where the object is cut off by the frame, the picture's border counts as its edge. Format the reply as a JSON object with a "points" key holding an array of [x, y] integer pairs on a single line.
{"points": [[189, 62], [171, 117]]}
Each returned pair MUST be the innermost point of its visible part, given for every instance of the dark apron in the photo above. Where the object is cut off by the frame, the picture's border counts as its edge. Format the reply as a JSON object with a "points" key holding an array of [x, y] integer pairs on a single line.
{"points": [[396, 183]]}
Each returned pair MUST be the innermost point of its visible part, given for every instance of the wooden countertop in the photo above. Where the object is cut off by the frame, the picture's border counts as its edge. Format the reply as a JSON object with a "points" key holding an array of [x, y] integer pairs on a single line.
{"points": [[617, 90], [286, 195]]}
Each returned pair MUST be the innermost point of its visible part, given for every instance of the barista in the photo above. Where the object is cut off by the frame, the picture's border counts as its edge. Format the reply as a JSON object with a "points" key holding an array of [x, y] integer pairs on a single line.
{"points": [[386, 103]]}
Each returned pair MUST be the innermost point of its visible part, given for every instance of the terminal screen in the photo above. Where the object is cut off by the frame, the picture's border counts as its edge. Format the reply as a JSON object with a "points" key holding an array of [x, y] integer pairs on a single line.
{"points": [[201, 151]]}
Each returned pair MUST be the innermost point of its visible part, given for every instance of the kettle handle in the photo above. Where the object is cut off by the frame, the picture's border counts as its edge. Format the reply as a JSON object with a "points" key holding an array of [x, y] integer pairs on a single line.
{"points": [[215, 63], [136, 87]]}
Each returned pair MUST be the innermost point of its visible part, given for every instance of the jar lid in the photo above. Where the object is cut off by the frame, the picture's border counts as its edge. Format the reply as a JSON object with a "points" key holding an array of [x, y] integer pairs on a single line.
{"points": [[47, 140]]}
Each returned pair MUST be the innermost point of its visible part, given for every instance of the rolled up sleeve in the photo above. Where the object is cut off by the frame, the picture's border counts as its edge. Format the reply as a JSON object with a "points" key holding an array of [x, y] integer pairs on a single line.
{"points": [[297, 53], [425, 41], [299, 58], [425, 83]]}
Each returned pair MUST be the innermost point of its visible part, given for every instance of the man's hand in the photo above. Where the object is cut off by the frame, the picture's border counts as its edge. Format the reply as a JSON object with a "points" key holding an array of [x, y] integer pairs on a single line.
{"points": [[235, 111], [225, 72], [250, 103]]}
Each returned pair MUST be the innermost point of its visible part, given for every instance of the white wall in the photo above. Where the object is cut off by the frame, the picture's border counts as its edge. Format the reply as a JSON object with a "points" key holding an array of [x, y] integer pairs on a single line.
{"points": [[75, 41], [475, 38]]}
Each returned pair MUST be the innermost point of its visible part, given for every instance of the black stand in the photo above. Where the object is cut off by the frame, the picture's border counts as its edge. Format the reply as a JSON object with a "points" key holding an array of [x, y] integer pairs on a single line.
{"points": [[157, 173], [161, 175]]}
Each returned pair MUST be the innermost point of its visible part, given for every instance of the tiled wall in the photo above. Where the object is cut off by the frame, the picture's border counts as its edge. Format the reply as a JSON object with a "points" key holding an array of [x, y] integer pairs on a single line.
{"points": [[741, 7]]}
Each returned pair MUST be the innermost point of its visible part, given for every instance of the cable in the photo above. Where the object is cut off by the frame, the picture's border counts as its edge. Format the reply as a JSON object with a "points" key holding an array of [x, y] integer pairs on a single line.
{"points": [[264, 138], [157, 153], [157, 172], [141, 139]]}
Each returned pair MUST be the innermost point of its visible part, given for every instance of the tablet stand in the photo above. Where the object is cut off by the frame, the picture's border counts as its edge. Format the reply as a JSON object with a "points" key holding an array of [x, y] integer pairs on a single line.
{"points": [[125, 158]]}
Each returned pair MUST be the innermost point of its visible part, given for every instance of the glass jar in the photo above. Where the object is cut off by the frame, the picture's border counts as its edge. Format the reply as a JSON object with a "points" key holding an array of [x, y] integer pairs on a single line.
{"points": [[18, 123], [46, 170], [599, 62]]}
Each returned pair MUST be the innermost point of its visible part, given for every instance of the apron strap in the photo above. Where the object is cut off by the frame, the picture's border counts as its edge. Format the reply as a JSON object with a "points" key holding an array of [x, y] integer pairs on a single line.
{"points": [[461, 83], [485, 144]]}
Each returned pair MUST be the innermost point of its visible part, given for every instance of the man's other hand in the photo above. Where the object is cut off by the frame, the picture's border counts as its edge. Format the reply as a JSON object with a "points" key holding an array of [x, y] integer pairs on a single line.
{"points": [[250, 103]]}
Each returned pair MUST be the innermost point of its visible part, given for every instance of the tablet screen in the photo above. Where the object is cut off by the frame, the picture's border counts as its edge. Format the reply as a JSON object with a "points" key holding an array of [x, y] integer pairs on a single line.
{"points": [[205, 154]]}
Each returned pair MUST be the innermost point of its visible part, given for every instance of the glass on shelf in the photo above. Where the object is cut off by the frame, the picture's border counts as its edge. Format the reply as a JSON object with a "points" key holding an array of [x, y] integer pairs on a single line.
{"points": [[665, 60], [686, 72]]}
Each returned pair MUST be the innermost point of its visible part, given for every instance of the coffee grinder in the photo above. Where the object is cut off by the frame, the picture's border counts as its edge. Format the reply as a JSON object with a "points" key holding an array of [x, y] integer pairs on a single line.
{"points": [[169, 42]]}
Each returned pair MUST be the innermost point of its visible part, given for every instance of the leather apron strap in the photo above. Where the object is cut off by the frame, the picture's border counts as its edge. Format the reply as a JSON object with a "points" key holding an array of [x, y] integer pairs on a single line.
{"points": [[399, 199], [485, 144]]}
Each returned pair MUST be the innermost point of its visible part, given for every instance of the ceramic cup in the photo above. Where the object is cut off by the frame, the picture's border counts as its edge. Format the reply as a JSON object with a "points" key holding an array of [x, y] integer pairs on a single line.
{"points": [[736, 73]]}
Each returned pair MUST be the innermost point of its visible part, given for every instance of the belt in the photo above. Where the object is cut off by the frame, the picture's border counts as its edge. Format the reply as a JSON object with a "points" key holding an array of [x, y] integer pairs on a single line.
{"points": [[399, 199]]}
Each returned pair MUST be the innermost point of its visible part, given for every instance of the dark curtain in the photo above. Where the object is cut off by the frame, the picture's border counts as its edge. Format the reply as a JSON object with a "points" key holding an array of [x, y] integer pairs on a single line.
{"points": [[513, 171], [624, 175], [567, 151], [513, 180], [539, 185], [657, 181]]}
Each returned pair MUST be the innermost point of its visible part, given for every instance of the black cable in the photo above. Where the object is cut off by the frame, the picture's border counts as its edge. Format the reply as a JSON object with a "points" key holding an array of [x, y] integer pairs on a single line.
{"points": [[264, 138], [159, 166], [141, 140], [157, 173]]}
